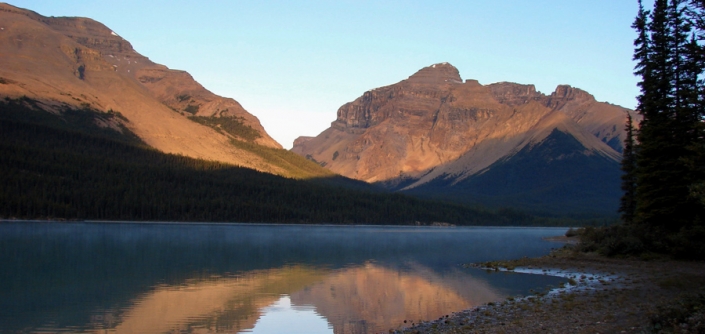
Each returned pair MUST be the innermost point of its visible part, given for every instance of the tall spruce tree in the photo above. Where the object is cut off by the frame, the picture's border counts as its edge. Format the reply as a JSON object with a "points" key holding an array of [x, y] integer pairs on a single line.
{"points": [[628, 201], [696, 14], [669, 56]]}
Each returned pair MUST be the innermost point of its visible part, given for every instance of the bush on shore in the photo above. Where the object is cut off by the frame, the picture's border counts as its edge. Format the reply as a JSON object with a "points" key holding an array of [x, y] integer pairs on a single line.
{"points": [[622, 240], [686, 315]]}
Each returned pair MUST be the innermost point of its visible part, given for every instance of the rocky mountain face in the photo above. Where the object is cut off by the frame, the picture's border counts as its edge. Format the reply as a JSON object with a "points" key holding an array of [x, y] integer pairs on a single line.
{"points": [[433, 134], [71, 62]]}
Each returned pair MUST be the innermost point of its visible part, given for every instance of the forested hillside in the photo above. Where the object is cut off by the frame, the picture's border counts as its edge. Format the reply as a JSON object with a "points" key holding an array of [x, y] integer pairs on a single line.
{"points": [[66, 167]]}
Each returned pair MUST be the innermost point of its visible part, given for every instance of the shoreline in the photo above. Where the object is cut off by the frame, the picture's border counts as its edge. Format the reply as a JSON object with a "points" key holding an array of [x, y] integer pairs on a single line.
{"points": [[604, 295], [159, 222]]}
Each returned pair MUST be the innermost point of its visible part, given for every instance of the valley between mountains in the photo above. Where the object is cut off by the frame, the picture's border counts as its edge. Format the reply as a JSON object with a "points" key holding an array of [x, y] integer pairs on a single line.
{"points": [[433, 135]]}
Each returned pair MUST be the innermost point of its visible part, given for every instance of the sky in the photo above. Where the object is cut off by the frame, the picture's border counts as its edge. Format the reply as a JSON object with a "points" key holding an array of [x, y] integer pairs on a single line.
{"points": [[293, 63]]}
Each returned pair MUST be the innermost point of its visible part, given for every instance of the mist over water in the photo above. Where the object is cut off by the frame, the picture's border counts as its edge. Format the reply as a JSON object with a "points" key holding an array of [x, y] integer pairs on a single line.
{"points": [[120, 278]]}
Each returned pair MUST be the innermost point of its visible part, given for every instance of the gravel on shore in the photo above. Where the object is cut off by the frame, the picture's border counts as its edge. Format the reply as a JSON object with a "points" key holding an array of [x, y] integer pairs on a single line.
{"points": [[604, 295]]}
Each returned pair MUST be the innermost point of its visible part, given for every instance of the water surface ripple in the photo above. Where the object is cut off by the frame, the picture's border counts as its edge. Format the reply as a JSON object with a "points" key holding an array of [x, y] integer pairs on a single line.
{"points": [[233, 278]]}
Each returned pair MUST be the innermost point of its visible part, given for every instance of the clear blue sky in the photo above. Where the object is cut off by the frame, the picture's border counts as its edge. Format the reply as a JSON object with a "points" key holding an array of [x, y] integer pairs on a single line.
{"points": [[294, 63]]}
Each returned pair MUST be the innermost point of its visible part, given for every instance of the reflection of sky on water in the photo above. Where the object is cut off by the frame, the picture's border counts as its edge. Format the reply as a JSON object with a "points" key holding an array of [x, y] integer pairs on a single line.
{"points": [[359, 299], [282, 317], [128, 278]]}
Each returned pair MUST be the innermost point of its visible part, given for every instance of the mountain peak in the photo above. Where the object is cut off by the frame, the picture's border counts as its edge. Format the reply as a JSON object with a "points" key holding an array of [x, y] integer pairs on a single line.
{"points": [[565, 93], [514, 94], [77, 63], [437, 74]]}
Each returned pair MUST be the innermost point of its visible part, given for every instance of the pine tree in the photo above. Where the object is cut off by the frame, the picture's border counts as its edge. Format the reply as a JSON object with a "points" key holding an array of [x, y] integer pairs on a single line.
{"points": [[668, 153], [654, 164], [628, 202]]}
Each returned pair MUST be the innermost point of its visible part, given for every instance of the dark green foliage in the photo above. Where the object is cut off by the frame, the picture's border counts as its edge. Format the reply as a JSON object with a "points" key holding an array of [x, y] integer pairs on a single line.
{"points": [[628, 201], [118, 115], [670, 123], [311, 158], [53, 169], [81, 71], [686, 315], [571, 233], [669, 127], [192, 109], [183, 97], [233, 126], [687, 243], [295, 165], [82, 120], [335, 155], [670, 64], [662, 207], [612, 240]]}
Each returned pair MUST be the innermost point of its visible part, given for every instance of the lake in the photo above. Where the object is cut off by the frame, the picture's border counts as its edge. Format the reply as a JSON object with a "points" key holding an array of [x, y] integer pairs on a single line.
{"points": [[239, 278]]}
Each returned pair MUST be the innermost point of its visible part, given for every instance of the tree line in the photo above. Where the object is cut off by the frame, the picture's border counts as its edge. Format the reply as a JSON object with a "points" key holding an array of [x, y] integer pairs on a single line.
{"points": [[663, 205], [52, 168]]}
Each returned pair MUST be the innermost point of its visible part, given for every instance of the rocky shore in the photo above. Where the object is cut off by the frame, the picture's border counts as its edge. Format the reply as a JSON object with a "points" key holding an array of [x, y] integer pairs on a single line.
{"points": [[602, 295]]}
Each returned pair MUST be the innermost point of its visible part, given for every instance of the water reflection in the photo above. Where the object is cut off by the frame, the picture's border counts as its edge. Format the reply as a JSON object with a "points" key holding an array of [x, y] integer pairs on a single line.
{"points": [[283, 317], [359, 299], [142, 278], [374, 298], [220, 305]]}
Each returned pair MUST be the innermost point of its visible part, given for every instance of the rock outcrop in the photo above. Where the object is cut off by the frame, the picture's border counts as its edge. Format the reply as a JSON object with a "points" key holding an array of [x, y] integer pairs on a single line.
{"points": [[435, 126], [72, 62]]}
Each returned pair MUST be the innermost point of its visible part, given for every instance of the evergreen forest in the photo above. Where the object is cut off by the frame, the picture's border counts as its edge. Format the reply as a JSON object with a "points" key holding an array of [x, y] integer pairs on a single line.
{"points": [[663, 181], [62, 166]]}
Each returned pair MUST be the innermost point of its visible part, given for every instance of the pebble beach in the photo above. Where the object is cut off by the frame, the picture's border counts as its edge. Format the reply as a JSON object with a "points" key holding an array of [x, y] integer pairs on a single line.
{"points": [[603, 295]]}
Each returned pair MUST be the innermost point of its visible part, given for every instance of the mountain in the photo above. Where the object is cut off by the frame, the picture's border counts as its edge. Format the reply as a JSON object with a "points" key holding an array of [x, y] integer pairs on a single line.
{"points": [[73, 63], [504, 144]]}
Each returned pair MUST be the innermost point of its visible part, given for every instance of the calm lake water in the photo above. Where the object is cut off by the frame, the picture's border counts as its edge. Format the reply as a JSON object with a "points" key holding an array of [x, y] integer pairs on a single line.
{"points": [[212, 278]]}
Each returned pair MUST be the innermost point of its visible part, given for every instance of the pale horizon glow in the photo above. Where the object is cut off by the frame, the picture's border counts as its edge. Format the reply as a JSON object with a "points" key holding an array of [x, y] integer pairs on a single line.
{"points": [[294, 63]]}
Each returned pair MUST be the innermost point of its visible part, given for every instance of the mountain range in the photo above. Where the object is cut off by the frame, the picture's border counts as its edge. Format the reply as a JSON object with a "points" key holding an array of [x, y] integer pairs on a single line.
{"points": [[432, 135], [503, 144], [78, 63]]}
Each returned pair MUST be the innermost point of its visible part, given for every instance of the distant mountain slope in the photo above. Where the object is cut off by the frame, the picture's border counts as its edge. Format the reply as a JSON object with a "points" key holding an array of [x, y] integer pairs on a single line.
{"points": [[541, 177], [54, 167], [78, 63], [433, 134]]}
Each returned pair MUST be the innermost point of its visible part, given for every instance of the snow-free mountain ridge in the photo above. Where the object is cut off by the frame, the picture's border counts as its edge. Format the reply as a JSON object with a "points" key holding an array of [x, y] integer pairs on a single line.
{"points": [[435, 127], [78, 63]]}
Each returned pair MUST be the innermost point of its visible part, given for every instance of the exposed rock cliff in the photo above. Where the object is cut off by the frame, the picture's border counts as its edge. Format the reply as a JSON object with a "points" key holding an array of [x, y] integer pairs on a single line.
{"points": [[80, 63], [433, 125]]}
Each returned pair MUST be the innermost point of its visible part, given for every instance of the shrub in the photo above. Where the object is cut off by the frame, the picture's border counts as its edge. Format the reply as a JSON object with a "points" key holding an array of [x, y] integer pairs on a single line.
{"points": [[611, 240], [686, 315], [571, 233], [234, 126], [191, 109], [688, 243]]}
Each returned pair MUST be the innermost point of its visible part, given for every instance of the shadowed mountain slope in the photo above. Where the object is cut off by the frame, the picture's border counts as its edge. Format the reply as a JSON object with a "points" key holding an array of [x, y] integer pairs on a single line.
{"points": [[432, 133], [74, 63]]}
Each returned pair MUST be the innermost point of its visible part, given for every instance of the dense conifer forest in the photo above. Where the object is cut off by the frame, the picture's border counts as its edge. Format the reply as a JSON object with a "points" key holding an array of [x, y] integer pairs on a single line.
{"points": [[65, 167], [663, 206]]}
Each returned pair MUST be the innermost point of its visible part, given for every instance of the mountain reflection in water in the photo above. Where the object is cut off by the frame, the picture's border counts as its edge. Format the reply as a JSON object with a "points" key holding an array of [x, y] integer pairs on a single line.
{"points": [[223, 304], [374, 298], [368, 298], [156, 278]]}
